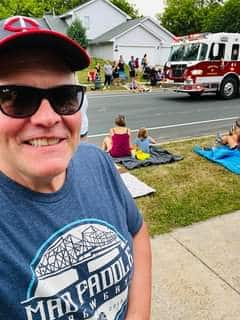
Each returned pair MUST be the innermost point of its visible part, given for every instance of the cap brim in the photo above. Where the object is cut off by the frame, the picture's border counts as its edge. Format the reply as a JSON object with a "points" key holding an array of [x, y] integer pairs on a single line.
{"points": [[74, 55]]}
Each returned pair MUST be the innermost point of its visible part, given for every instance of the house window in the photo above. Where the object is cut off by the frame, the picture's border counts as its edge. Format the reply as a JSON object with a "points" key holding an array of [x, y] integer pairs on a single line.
{"points": [[86, 22]]}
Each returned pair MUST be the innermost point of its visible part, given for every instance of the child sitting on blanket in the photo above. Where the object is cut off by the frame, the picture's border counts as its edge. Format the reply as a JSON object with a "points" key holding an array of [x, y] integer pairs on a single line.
{"points": [[143, 141], [232, 139]]}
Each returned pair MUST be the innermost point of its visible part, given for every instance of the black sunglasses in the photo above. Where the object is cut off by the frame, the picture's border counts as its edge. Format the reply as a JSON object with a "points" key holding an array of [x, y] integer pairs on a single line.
{"points": [[23, 101]]}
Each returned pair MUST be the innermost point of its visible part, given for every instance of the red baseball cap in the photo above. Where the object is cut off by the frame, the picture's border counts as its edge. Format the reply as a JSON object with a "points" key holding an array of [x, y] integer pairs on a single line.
{"points": [[17, 32]]}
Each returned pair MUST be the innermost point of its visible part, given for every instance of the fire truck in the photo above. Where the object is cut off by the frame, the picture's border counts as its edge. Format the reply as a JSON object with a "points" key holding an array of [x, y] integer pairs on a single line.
{"points": [[203, 63]]}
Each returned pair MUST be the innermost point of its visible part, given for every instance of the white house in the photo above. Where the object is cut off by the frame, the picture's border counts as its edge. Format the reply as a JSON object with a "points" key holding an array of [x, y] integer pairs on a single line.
{"points": [[134, 38], [111, 32], [97, 16]]}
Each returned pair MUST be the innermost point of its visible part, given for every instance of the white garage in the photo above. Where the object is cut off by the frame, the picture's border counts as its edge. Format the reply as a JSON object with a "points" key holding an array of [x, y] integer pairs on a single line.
{"points": [[134, 38]]}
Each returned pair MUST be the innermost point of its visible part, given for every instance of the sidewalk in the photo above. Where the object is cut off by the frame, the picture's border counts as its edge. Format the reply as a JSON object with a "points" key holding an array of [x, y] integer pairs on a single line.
{"points": [[196, 271]]}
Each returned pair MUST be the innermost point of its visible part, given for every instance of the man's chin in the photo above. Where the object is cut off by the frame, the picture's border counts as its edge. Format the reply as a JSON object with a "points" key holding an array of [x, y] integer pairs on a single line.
{"points": [[49, 172]]}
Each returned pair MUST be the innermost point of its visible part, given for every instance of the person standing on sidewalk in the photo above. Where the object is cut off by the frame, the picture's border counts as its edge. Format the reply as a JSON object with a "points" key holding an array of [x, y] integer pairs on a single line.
{"points": [[108, 72], [132, 73], [73, 244], [144, 62]]}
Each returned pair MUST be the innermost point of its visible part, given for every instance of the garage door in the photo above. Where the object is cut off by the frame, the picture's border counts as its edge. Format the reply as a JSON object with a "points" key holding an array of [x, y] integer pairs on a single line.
{"points": [[138, 52]]}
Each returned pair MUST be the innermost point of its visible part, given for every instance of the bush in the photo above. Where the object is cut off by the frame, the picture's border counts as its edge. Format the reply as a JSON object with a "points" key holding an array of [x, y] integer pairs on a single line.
{"points": [[77, 32]]}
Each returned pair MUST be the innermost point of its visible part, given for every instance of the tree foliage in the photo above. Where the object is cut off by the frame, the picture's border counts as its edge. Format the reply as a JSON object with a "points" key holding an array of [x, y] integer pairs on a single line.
{"points": [[37, 8], [231, 16], [190, 16], [18, 7], [77, 32], [213, 19], [182, 16], [128, 8]]}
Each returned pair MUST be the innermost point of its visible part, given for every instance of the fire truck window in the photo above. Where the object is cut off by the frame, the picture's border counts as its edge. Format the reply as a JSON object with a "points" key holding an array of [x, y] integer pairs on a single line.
{"points": [[203, 52], [191, 52], [235, 52], [176, 53], [220, 54]]}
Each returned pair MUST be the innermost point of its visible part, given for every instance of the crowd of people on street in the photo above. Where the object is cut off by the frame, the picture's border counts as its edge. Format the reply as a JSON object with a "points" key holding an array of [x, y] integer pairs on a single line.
{"points": [[119, 72]]}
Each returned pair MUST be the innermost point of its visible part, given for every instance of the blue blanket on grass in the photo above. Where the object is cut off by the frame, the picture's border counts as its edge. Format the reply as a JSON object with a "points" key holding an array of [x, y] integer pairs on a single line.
{"points": [[223, 155]]}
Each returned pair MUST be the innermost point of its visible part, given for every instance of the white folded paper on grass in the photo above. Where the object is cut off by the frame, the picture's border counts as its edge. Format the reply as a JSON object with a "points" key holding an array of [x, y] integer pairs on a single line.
{"points": [[136, 187]]}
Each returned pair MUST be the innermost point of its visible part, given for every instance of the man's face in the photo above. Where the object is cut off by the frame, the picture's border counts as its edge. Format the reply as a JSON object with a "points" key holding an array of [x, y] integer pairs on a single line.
{"points": [[36, 151]]}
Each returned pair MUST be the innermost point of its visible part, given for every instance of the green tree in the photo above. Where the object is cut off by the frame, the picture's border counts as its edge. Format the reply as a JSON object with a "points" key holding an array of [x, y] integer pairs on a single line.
{"points": [[182, 16], [128, 8], [192, 16], [206, 3], [223, 17], [231, 16], [17, 7], [36, 8], [213, 19], [77, 32], [61, 6]]}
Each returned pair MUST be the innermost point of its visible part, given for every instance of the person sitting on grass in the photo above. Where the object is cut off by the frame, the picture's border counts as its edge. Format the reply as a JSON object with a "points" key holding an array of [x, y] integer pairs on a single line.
{"points": [[143, 141], [118, 143], [232, 139]]}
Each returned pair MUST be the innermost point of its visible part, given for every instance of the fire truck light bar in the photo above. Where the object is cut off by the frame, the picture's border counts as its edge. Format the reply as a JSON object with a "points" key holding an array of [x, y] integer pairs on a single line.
{"points": [[191, 37]]}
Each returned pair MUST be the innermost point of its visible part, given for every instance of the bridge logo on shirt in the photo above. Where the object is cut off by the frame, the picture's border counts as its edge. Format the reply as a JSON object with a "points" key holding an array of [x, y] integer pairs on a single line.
{"points": [[81, 272]]}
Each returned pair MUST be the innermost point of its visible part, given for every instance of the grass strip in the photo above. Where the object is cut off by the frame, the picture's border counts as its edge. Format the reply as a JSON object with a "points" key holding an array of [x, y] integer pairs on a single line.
{"points": [[187, 191]]}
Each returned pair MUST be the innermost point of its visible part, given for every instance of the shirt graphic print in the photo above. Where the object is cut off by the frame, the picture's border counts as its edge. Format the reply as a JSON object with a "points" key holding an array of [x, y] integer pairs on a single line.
{"points": [[81, 272]]}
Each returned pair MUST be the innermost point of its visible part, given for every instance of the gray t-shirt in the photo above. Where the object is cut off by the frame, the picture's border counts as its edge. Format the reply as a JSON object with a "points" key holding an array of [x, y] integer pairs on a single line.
{"points": [[108, 69]]}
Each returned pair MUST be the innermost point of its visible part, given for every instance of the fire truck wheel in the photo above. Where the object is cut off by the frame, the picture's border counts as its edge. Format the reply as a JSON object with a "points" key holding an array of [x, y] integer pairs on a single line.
{"points": [[229, 88]]}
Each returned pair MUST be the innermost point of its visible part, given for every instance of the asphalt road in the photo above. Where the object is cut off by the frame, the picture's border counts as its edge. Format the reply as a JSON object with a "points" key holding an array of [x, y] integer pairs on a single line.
{"points": [[169, 116]]}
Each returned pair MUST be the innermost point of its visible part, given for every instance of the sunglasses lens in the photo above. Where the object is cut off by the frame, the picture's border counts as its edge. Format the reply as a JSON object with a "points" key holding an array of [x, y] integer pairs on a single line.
{"points": [[22, 101], [66, 100], [18, 102]]}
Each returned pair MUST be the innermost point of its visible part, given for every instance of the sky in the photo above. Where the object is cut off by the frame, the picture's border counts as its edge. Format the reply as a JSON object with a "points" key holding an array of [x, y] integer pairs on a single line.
{"points": [[147, 7]]}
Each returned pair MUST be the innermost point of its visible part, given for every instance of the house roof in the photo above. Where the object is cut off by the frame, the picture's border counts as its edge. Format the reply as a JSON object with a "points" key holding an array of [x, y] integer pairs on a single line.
{"points": [[109, 35], [71, 12], [159, 25], [55, 23], [124, 27]]}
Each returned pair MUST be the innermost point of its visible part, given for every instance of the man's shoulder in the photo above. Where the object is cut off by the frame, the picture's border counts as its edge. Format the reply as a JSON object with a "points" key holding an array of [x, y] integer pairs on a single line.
{"points": [[86, 148], [89, 152], [91, 157]]}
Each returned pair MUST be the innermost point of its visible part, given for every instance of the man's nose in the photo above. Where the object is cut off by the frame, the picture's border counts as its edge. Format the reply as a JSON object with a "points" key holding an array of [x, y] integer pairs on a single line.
{"points": [[45, 115]]}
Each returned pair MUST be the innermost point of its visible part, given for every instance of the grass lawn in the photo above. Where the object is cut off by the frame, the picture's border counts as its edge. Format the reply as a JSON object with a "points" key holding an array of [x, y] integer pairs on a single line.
{"points": [[82, 75], [187, 191]]}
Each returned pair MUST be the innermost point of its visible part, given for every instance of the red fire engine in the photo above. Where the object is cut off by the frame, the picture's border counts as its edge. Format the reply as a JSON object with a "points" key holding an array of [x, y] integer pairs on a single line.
{"points": [[203, 63]]}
